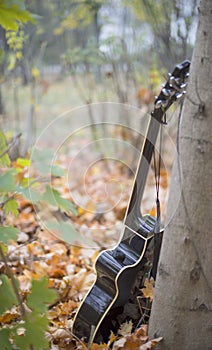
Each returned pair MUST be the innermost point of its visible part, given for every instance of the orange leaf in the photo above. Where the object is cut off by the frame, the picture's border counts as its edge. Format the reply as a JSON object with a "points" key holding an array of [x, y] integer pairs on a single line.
{"points": [[98, 346], [148, 291]]}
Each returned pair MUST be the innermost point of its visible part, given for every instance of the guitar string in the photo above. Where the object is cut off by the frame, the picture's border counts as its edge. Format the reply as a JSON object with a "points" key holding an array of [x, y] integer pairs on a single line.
{"points": [[157, 171]]}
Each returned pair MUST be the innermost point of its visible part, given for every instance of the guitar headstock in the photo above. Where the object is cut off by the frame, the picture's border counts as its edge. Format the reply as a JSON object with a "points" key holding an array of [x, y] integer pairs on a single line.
{"points": [[173, 89]]}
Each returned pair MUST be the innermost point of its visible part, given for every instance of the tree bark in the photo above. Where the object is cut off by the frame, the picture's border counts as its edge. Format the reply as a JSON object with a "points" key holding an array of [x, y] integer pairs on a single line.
{"points": [[181, 311]]}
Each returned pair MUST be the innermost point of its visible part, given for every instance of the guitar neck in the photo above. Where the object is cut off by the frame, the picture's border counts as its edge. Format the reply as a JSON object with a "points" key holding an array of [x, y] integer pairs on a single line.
{"points": [[133, 210], [173, 90]]}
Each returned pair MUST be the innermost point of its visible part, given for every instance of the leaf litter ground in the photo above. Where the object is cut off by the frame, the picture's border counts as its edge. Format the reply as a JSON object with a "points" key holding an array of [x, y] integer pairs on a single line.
{"points": [[69, 267]]}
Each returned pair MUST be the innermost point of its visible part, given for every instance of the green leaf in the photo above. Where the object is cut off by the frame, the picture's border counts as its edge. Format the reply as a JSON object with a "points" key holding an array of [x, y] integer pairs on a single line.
{"points": [[4, 158], [4, 339], [66, 232], [7, 181], [29, 193], [53, 197], [42, 155], [11, 207], [31, 334], [56, 170], [7, 294], [43, 162], [40, 296], [11, 14], [8, 233]]}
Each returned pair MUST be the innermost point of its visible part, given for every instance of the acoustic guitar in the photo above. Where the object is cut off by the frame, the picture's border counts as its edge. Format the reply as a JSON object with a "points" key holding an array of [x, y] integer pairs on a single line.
{"points": [[117, 268]]}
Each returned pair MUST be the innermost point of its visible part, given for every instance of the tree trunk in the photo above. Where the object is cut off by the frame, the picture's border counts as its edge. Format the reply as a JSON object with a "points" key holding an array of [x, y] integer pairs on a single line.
{"points": [[182, 305]]}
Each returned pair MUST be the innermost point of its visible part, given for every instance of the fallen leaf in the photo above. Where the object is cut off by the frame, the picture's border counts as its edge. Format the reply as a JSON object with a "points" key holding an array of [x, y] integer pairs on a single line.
{"points": [[126, 328], [148, 291]]}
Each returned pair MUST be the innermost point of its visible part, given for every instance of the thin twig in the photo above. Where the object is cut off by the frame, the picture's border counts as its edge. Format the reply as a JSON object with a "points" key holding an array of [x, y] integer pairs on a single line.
{"points": [[11, 144]]}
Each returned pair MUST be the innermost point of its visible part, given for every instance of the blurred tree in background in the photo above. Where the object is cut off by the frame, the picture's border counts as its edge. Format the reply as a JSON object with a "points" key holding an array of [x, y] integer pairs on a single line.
{"points": [[108, 49]]}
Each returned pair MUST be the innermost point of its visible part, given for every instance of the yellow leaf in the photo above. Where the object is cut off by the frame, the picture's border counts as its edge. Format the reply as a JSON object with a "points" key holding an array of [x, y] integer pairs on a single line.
{"points": [[12, 62], [19, 55], [80, 210], [113, 337], [35, 72], [148, 291], [98, 346]]}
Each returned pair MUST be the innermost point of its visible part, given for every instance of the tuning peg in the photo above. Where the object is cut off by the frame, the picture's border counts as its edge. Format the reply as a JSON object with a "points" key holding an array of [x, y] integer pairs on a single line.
{"points": [[179, 95], [164, 103], [158, 104], [166, 92], [183, 85], [171, 79]]}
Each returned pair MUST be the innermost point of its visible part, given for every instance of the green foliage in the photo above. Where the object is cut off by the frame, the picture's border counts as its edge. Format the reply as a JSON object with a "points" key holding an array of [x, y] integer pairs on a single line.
{"points": [[7, 294], [11, 206], [15, 40], [8, 233], [12, 13], [15, 180], [53, 197], [13, 17], [7, 181], [30, 194], [36, 300], [4, 338], [30, 330], [42, 160], [81, 14], [67, 233], [86, 58]]}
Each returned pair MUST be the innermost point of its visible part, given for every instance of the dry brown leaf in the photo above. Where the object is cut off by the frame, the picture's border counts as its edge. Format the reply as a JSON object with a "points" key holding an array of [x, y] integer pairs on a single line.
{"points": [[149, 345], [132, 341], [81, 281], [8, 316], [98, 346], [126, 328], [148, 291], [119, 344]]}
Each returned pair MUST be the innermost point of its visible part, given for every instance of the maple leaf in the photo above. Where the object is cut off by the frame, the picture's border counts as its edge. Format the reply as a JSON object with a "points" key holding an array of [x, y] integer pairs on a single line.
{"points": [[8, 297], [148, 290], [126, 328], [40, 295], [4, 336], [27, 336], [8, 233]]}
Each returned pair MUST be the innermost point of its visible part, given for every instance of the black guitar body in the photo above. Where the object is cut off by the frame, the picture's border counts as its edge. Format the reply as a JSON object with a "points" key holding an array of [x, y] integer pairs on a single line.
{"points": [[116, 273]]}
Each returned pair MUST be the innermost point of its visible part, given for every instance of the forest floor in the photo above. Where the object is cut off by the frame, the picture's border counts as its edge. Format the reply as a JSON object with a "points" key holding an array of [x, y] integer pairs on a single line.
{"points": [[101, 198], [70, 267]]}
